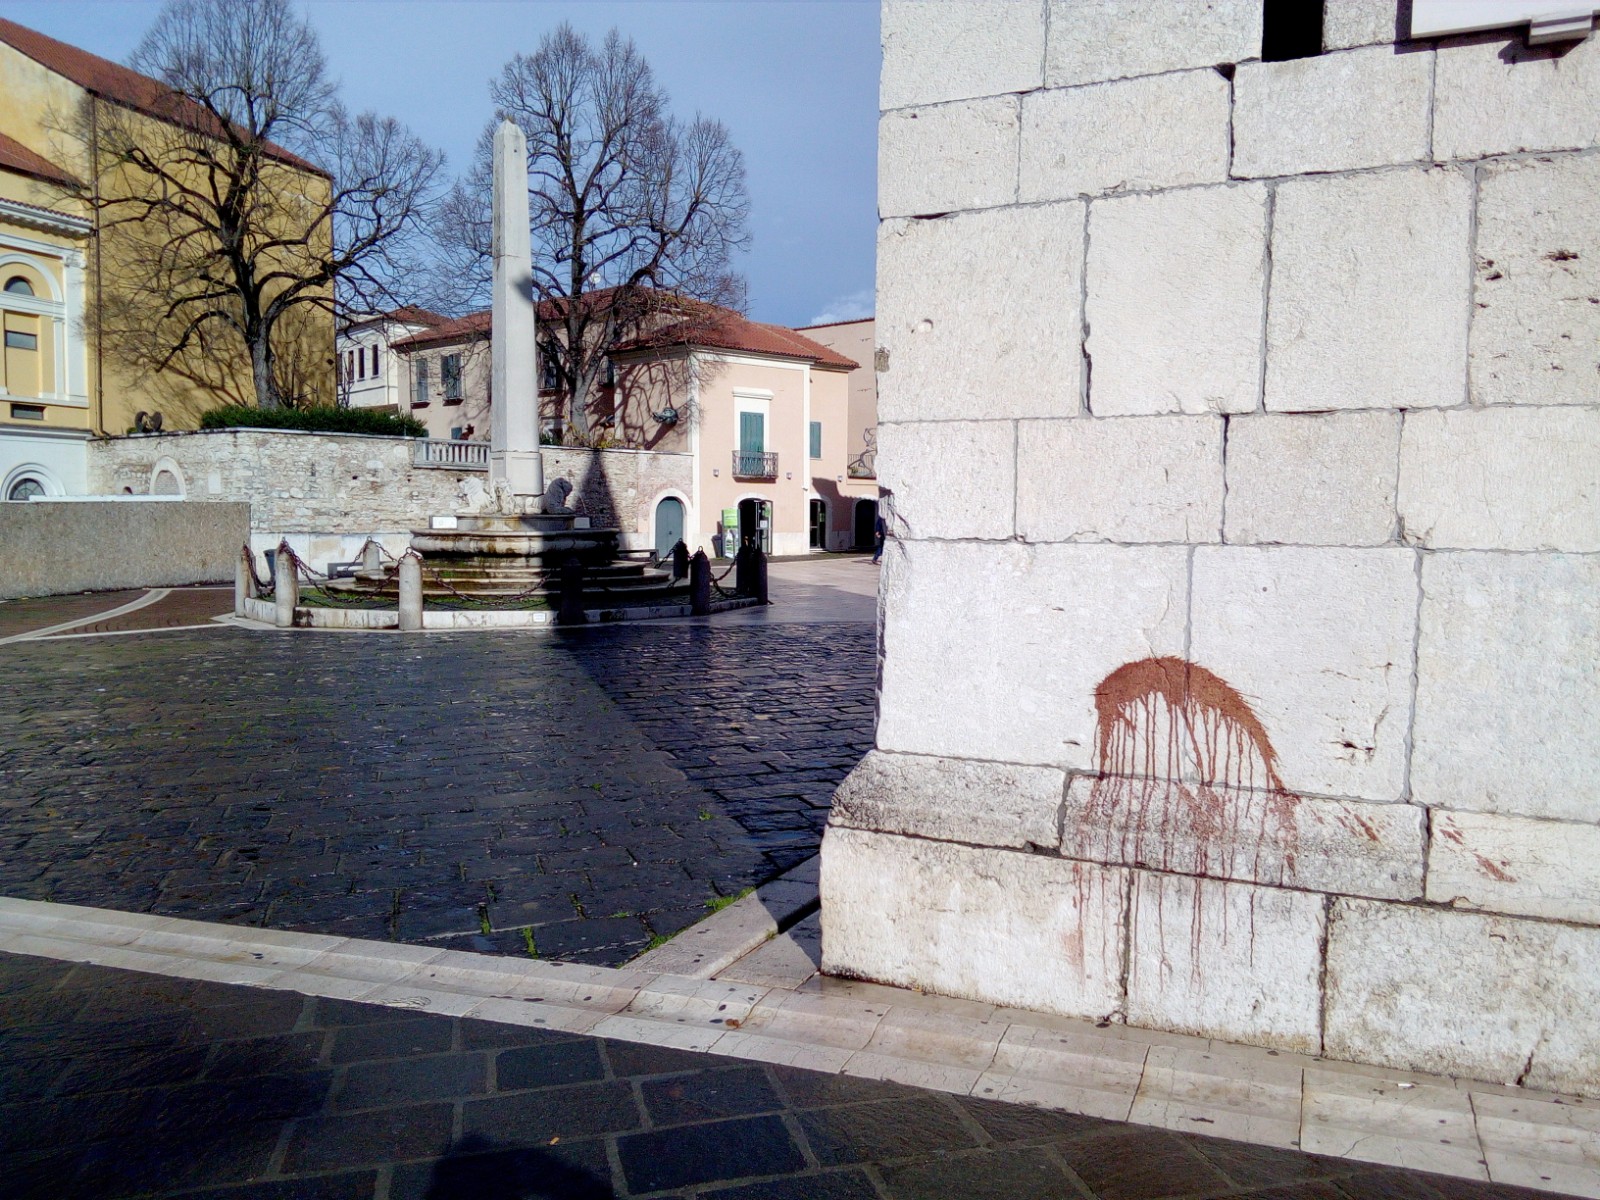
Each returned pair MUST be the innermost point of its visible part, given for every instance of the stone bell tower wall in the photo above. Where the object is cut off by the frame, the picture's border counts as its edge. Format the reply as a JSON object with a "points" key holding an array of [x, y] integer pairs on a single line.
{"points": [[1241, 627]]}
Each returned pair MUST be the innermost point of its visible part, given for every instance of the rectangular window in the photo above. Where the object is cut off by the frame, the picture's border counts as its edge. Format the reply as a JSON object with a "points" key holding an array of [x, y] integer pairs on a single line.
{"points": [[361, 362], [752, 433], [374, 362], [816, 439], [549, 381], [450, 378], [27, 412], [419, 384], [16, 340]]}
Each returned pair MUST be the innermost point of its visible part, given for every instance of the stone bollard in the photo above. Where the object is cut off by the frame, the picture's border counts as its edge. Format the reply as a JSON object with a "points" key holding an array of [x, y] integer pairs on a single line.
{"points": [[758, 575], [680, 560], [700, 584], [285, 586], [371, 560], [571, 610], [411, 593], [244, 581]]}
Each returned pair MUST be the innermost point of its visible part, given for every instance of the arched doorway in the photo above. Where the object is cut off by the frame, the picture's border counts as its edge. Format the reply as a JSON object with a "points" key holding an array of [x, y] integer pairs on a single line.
{"points": [[755, 523], [865, 522], [669, 526], [818, 524]]}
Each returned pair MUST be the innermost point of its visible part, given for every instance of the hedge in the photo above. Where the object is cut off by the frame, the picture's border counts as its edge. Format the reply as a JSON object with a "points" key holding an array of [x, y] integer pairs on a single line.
{"points": [[324, 418]]}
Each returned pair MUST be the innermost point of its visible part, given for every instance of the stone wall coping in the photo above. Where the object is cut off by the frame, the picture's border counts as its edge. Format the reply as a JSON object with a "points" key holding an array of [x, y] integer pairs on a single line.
{"points": [[367, 437]]}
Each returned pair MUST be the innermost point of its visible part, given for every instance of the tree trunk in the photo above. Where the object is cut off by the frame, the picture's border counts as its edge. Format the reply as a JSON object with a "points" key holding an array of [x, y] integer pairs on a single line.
{"points": [[263, 371]]}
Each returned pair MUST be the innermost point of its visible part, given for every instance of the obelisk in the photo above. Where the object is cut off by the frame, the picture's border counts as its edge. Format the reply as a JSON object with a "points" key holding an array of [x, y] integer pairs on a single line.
{"points": [[514, 403]]}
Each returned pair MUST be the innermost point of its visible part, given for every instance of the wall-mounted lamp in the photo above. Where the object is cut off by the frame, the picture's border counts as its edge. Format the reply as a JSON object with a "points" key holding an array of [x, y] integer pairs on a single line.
{"points": [[715, 471], [788, 474]]}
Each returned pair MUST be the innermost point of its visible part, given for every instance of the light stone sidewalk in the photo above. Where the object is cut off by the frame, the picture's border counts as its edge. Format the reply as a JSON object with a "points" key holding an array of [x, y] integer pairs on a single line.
{"points": [[744, 983]]}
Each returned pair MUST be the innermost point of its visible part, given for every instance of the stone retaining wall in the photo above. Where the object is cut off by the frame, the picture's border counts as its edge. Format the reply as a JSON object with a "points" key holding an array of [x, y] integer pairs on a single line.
{"points": [[1241, 639], [327, 492], [48, 547]]}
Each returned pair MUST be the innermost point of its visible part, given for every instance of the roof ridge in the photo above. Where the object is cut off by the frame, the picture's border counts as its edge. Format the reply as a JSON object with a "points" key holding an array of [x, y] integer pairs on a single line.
{"points": [[121, 85]]}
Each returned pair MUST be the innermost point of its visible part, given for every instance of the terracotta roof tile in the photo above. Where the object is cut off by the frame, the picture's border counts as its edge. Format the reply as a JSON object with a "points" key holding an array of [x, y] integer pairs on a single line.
{"points": [[460, 329], [114, 82], [711, 328], [723, 329], [14, 156]]}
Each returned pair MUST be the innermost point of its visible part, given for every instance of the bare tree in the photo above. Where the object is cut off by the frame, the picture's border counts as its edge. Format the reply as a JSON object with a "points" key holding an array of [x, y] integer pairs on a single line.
{"points": [[632, 210], [217, 209]]}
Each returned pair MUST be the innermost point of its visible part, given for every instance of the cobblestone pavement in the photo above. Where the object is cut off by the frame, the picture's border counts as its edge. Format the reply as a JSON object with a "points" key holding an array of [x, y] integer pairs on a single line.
{"points": [[31, 614], [118, 1084], [568, 795]]}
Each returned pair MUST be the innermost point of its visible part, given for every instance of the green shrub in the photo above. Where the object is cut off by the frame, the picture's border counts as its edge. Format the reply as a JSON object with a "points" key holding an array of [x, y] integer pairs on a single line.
{"points": [[323, 418]]}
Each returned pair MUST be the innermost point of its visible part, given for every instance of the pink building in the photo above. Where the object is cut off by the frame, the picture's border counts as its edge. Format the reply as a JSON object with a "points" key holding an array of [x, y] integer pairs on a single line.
{"points": [[774, 418]]}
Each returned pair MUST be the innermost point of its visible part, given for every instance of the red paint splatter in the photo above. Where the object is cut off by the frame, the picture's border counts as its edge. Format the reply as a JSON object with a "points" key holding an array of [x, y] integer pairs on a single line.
{"points": [[1493, 870], [1186, 767]]}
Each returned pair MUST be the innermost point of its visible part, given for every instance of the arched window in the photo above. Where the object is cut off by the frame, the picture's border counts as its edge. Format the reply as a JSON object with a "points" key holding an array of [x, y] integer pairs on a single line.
{"points": [[19, 286], [25, 489]]}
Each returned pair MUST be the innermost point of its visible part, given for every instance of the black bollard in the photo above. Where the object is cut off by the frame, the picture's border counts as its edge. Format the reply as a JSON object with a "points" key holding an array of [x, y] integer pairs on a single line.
{"points": [[742, 583], [758, 575], [680, 561], [571, 610], [700, 584]]}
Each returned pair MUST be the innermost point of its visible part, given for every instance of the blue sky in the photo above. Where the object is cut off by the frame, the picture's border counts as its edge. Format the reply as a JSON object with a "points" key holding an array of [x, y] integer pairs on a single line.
{"points": [[796, 81]]}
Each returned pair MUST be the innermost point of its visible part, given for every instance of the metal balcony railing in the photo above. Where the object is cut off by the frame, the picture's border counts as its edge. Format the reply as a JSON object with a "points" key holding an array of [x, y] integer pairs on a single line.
{"points": [[450, 453], [748, 465]]}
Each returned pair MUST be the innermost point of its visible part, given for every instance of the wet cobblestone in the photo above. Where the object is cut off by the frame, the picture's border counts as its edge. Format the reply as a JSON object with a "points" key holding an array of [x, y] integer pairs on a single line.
{"points": [[572, 796]]}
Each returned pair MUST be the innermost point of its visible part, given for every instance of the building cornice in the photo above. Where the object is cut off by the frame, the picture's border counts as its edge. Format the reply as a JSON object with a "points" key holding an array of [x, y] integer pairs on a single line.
{"points": [[47, 219]]}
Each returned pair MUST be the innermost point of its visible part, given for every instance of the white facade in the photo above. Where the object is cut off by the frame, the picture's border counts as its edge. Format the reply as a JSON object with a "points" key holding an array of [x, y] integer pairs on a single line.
{"points": [[369, 370]]}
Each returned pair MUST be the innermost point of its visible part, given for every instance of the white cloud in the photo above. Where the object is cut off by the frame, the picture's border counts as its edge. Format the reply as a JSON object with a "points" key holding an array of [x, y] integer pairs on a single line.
{"points": [[853, 307]]}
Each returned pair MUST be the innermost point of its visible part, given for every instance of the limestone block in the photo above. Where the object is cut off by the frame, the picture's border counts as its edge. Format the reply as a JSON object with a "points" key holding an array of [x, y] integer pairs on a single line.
{"points": [[1134, 134], [947, 158], [993, 925], [1313, 479], [1226, 960], [1501, 96], [1176, 284], [1370, 278], [1536, 321], [1248, 834], [994, 651], [1508, 685], [1095, 40], [1516, 865], [1320, 641], [949, 479], [1502, 479], [952, 799], [1496, 998], [980, 315], [1129, 479], [937, 50], [1335, 112], [1347, 23]]}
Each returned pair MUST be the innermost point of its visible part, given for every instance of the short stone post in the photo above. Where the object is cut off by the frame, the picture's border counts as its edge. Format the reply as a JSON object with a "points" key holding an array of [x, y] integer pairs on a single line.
{"points": [[680, 560], [571, 610], [758, 574], [700, 584], [244, 581], [371, 560], [742, 582], [411, 592], [285, 586]]}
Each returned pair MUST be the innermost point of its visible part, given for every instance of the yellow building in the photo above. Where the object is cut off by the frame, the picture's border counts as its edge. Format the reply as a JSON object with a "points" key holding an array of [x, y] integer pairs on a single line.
{"points": [[60, 382]]}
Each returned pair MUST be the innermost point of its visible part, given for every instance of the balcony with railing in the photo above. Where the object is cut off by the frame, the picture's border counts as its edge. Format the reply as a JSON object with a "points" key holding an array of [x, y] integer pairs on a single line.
{"points": [[450, 454], [748, 464]]}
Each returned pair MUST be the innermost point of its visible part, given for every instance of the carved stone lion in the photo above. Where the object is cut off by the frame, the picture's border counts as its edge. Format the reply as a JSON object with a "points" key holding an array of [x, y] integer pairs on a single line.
{"points": [[555, 497]]}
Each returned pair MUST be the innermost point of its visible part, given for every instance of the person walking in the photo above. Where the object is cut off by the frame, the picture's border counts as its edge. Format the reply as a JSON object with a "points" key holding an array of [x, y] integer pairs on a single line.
{"points": [[880, 534]]}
